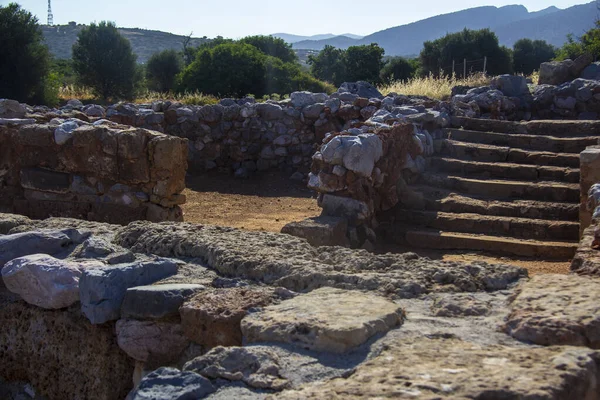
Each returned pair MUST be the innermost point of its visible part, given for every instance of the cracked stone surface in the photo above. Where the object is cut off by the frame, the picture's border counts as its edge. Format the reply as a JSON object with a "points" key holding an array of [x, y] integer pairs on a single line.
{"points": [[325, 319], [438, 367], [557, 310]]}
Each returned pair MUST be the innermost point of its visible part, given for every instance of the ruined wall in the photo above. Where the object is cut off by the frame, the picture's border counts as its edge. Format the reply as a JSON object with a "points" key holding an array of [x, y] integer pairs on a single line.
{"points": [[91, 171], [589, 167]]}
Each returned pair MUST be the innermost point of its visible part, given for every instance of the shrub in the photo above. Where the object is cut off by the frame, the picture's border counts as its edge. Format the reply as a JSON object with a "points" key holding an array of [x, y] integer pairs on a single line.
{"points": [[103, 60], [161, 70], [529, 54], [363, 63], [437, 55], [24, 59], [588, 43]]}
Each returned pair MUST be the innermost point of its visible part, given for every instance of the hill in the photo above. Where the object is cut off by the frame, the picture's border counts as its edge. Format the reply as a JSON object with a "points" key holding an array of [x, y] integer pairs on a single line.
{"points": [[60, 40], [298, 38], [509, 22]]}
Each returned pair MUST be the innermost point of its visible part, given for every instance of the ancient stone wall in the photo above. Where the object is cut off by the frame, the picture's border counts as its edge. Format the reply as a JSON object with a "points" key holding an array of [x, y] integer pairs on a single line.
{"points": [[589, 161], [96, 172]]}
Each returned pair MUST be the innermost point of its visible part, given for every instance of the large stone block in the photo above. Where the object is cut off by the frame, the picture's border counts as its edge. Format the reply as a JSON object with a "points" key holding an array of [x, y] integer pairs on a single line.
{"points": [[156, 301], [46, 242], [320, 231], [153, 342], [172, 384], [326, 319], [45, 180], [101, 290]]}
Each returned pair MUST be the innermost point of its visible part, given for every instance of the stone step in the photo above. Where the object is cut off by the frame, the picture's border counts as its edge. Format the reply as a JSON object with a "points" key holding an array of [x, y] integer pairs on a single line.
{"points": [[566, 128], [523, 141], [434, 239], [506, 189], [537, 229], [491, 153], [505, 170], [437, 199]]}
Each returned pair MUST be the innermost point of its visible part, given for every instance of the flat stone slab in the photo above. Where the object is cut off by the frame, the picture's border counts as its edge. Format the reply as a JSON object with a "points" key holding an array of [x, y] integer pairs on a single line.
{"points": [[557, 310], [36, 242], [326, 319], [156, 301], [438, 368], [101, 290]]}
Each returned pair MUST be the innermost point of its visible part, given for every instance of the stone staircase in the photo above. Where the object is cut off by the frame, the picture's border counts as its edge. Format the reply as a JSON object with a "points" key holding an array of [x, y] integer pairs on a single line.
{"points": [[501, 187]]}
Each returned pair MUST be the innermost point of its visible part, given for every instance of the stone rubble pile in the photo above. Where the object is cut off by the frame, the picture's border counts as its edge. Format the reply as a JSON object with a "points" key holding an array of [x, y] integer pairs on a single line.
{"points": [[177, 311]]}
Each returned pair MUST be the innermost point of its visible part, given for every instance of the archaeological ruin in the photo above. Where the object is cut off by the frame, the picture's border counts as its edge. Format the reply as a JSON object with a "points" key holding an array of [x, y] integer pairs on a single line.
{"points": [[108, 292]]}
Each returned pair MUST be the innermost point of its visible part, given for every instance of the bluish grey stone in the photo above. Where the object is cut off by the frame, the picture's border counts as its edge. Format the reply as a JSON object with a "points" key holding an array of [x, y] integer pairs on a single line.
{"points": [[269, 112], [511, 85], [101, 290], [172, 384], [360, 88], [44, 242], [156, 301], [592, 71]]}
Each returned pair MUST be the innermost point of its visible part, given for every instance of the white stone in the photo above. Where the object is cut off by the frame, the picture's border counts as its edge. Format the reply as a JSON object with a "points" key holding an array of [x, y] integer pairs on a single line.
{"points": [[43, 280], [64, 132]]}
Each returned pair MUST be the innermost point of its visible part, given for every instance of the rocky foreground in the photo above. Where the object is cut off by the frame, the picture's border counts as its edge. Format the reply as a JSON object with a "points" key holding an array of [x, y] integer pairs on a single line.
{"points": [[183, 311]]}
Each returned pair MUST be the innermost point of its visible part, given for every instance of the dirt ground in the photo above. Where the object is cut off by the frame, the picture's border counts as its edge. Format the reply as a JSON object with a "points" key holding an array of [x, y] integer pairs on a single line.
{"points": [[269, 201]]}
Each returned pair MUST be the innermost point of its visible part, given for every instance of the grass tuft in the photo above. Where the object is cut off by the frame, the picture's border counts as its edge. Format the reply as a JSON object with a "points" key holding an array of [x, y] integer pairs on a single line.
{"points": [[438, 88]]}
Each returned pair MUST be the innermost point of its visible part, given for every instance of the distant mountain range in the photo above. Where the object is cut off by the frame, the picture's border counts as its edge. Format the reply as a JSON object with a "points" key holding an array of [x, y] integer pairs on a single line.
{"points": [[510, 23], [297, 38]]}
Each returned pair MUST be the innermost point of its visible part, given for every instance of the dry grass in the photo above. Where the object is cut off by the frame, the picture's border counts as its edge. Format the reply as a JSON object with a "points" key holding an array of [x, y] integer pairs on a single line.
{"points": [[87, 96], [433, 87]]}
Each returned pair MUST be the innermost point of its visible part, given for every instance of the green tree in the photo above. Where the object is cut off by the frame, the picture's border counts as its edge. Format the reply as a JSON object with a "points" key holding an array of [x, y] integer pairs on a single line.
{"points": [[529, 54], [161, 70], [588, 43], [272, 46], [104, 61], [229, 69], [399, 69], [363, 63], [472, 45], [329, 65], [24, 59]]}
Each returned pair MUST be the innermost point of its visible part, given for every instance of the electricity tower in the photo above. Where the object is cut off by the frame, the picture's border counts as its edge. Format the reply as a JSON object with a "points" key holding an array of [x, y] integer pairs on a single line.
{"points": [[50, 16]]}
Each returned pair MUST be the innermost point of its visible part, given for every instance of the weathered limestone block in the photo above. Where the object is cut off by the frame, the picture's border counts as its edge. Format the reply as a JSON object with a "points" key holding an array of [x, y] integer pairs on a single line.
{"points": [[153, 342], [258, 368], [101, 290], [170, 383], [157, 301], [43, 280], [458, 305], [11, 109], [556, 310], [320, 231], [212, 317], [428, 368], [325, 319]]}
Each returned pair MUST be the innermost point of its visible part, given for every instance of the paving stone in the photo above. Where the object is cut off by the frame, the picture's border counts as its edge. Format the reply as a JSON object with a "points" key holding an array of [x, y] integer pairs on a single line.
{"points": [[448, 368], [325, 319], [557, 310], [101, 290], [459, 306], [156, 301]]}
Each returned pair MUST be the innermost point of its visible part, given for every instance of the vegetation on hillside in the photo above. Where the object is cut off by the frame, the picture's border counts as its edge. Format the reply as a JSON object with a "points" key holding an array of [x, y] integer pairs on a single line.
{"points": [[589, 42], [354, 64]]}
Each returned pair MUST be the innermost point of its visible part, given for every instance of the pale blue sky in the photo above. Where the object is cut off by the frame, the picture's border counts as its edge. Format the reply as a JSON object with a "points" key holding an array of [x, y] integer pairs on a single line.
{"points": [[237, 18]]}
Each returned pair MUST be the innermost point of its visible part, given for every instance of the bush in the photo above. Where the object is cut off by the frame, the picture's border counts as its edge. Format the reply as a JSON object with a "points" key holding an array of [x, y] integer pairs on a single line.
{"points": [[103, 60], [437, 55], [398, 69], [161, 70], [529, 54], [24, 59]]}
